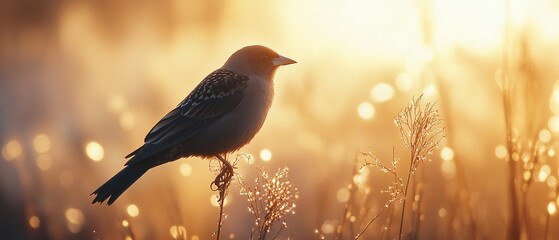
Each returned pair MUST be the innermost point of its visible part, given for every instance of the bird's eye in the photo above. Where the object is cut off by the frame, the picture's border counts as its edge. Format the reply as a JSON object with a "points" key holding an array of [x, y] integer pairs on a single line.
{"points": [[264, 57]]}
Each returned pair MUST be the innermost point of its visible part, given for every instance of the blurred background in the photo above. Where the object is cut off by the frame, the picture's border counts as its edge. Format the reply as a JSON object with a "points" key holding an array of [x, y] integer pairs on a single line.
{"points": [[82, 82]]}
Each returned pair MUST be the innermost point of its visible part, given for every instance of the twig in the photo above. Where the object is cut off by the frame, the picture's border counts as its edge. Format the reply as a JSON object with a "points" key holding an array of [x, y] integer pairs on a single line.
{"points": [[221, 184]]}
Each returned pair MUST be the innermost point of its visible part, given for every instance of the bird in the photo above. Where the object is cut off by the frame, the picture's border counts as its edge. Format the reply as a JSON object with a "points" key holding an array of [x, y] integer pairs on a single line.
{"points": [[220, 115]]}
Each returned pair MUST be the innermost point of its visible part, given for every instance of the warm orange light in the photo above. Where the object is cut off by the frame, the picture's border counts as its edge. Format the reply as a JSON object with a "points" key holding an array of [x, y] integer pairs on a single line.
{"points": [[266, 155], [366, 111], [342, 195], [94, 151], [34, 222], [185, 169], [215, 203], [447, 154], [41, 143], [12, 150], [75, 219], [551, 208], [178, 232], [133, 210]]}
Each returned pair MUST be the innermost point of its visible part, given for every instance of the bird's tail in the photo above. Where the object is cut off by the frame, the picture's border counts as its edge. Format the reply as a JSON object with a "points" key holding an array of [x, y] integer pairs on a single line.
{"points": [[113, 188]]}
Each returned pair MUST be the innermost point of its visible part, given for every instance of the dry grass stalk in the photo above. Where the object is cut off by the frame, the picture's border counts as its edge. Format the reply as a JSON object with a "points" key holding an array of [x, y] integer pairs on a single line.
{"points": [[421, 130], [270, 200], [395, 190]]}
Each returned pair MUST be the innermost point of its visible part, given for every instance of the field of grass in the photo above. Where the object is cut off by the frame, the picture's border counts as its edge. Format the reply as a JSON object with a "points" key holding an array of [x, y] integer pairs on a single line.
{"points": [[426, 119]]}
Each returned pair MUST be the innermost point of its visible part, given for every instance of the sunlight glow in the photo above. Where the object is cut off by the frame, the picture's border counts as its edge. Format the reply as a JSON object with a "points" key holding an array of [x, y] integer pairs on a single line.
{"points": [[404, 82], [366, 110], [34, 222], [545, 136], [382, 92], [266, 155], [132, 210], [44, 162], [554, 99], [75, 219], [553, 123], [178, 232], [551, 152], [327, 227], [94, 151], [185, 169], [430, 90], [342, 195], [551, 208], [215, 203], [12, 150], [501, 152], [442, 212], [41, 143], [125, 223], [526, 175], [552, 182], [361, 178], [447, 154], [545, 171]]}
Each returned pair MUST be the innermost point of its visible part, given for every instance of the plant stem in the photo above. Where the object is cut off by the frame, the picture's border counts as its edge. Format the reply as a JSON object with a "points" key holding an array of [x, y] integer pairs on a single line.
{"points": [[405, 197], [220, 221]]}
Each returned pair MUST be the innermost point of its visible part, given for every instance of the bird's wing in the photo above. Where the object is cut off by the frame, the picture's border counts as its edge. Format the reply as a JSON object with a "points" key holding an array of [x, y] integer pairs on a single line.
{"points": [[216, 95]]}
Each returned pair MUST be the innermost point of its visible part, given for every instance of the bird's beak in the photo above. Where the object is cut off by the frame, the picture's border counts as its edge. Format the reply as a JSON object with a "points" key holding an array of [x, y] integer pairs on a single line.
{"points": [[281, 60]]}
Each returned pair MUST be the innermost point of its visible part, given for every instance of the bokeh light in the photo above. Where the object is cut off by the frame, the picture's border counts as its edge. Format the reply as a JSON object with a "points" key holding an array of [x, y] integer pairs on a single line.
{"points": [[178, 232], [430, 90], [551, 182], [404, 82], [328, 227], [545, 136], [265, 155], [553, 123], [545, 171], [44, 162], [132, 210], [501, 152], [75, 219], [551, 208], [343, 195], [215, 203], [366, 110], [41, 143], [442, 212], [94, 151], [447, 154], [382, 92], [12, 150], [185, 169], [34, 222]]}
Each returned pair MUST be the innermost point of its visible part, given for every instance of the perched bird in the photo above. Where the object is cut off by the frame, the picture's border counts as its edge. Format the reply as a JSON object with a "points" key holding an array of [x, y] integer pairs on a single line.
{"points": [[222, 114]]}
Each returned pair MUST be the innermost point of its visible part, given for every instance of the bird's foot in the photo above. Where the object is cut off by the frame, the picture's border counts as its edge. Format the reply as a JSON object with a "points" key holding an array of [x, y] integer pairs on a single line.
{"points": [[223, 179]]}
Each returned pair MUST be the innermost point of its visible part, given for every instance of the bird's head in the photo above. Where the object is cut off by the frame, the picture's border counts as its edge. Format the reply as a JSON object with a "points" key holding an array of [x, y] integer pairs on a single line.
{"points": [[257, 60]]}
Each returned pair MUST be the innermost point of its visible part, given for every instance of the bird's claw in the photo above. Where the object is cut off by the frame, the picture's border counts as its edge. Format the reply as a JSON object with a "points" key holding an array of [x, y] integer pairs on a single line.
{"points": [[223, 179]]}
